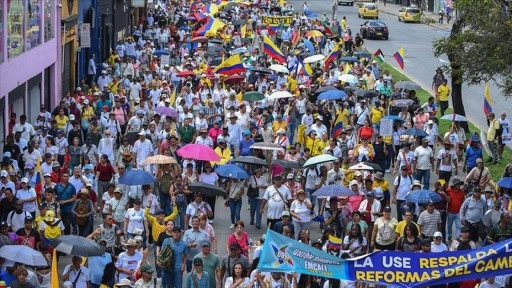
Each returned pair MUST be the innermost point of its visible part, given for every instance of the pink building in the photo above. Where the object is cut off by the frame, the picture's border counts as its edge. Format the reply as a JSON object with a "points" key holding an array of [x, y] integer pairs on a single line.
{"points": [[30, 58]]}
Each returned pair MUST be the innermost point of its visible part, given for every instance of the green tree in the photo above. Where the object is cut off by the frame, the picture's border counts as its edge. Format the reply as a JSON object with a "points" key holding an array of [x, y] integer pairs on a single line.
{"points": [[479, 47]]}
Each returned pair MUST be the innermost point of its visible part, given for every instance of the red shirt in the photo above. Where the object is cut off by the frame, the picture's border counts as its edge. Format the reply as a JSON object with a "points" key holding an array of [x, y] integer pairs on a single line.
{"points": [[243, 242], [366, 132], [457, 197], [106, 172]]}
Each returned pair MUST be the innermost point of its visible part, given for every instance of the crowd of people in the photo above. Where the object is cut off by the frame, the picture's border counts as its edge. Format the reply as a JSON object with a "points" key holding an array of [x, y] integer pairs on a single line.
{"points": [[60, 173]]}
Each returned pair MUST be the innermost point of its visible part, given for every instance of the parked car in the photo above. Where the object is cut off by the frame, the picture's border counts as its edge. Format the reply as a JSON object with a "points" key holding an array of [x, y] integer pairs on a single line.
{"points": [[374, 29], [368, 10], [346, 2], [409, 15]]}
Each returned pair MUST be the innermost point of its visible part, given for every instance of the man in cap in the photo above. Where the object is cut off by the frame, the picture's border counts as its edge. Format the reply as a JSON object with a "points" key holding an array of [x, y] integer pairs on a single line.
{"points": [[479, 176], [26, 129], [473, 152], [463, 242], [234, 257], [319, 126], [402, 186], [77, 273], [173, 276], [447, 162], [90, 151], [285, 222], [142, 149], [204, 139], [211, 263], [424, 162], [471, 213], [147, 279], [429, 221], [66, 195], [279, 199], [127, 262], [457, 197], [135, 122]]}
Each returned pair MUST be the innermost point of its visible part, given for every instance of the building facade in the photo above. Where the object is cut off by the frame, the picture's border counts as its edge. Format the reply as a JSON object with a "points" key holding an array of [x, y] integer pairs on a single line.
{"points": [[30, 58]]}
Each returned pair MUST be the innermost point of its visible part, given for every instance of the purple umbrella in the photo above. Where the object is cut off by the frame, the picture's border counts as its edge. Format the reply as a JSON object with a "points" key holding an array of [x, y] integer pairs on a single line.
{"points": [[167, 111]]}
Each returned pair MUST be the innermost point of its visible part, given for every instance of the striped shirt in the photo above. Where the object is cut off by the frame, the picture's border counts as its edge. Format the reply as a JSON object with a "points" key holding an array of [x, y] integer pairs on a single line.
{"points": [[428, 222]]}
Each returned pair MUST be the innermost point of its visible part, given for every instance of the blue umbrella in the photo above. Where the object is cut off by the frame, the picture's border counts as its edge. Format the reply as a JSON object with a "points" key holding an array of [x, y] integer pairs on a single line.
{"points": [[161, 52], [136, 177], [415, 132], [333, 190], [232, 171], [394, 117], [505, 183], [332, 95], [422, 196]]}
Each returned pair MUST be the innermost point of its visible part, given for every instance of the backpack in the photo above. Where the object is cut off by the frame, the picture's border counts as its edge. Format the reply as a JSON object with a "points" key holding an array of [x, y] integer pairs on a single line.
{"points": [[386, 232], [463, 245], [181, 200], [166, 255], [343, 147]]}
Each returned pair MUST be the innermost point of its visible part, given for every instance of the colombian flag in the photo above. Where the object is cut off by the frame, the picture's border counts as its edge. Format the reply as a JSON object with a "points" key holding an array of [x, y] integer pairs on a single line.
{"points": [[303, 67], [211, 9], [487, 100], [230, 66], [399, 57], [338, 127], [212, 24], [272, 50], [39, 177], [332, 56], [334, 242]]}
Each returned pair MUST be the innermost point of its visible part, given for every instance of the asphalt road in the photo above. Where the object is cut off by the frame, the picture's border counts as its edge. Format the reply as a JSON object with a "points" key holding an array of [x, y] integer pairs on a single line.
{"points": [[420, 62]]}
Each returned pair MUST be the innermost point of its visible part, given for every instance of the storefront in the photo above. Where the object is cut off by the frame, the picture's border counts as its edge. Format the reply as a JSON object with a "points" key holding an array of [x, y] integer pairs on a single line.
{"points": [[29, 58]]}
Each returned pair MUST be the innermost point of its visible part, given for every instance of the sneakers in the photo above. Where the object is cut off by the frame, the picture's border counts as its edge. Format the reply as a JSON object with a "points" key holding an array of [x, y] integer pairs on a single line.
{"points": [[387, 171], [232, 226], [252, 223]]}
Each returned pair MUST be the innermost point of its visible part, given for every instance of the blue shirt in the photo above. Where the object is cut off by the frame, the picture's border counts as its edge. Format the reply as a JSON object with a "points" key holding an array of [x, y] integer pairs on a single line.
{"points": [[96, 265], [65, 193], [245, 147], [7, 277], [473, 154], [203, 282], [190, 236], [180, 249]]}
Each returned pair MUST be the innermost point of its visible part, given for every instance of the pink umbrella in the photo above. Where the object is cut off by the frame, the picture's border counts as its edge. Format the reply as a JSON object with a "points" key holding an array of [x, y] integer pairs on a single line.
{"points": [[198, 152]]}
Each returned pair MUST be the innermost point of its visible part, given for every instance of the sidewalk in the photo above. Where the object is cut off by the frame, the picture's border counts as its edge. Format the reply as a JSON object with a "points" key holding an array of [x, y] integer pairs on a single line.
{"points": [[393, 9]]}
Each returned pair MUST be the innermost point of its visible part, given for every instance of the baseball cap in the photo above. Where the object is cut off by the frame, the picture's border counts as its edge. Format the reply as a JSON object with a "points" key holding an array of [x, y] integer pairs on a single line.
{"points": [[285, 214], [4, 173], [206, 243], [438, 234]]}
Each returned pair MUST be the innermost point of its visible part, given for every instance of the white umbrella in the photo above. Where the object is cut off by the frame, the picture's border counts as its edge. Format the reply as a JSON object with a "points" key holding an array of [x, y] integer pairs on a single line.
{"points": [[23, 254], [279, 68], [319, 160], [455, 117], [314, 58], [160, 159], [267, 146], [280, 95], [360, 166], [348, 78]]}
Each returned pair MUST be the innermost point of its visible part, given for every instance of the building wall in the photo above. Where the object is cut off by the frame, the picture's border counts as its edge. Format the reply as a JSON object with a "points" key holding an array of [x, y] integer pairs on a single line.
{"points": [[29, 58], [69, 46]]}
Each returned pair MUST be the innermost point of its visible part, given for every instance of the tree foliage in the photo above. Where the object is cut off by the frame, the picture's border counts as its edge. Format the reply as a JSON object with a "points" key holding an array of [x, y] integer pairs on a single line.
{"points": [[480, 44]]}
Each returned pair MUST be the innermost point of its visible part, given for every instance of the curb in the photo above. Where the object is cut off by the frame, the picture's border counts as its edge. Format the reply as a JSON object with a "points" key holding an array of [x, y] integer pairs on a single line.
{"points": [[430, 25]]}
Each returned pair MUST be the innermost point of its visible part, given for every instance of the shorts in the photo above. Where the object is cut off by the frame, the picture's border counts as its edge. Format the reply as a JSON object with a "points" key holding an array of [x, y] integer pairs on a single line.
{"points": [[389, 247]]}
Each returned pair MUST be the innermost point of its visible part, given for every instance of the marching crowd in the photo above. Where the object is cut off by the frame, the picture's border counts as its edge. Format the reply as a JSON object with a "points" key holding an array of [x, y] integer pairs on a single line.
{"points": [[61, 172]]}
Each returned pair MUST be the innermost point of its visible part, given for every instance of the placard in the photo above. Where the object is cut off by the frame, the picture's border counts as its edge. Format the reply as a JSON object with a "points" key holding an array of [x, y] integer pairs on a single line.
{"points": [[386, 127], [85, 35], [164, 59], [276, 20]]}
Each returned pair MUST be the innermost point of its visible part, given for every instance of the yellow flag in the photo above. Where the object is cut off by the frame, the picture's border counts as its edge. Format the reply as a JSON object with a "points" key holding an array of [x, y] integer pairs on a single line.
{"points": [[347, 68], [243, 31], [172, 99], [54, 276]]}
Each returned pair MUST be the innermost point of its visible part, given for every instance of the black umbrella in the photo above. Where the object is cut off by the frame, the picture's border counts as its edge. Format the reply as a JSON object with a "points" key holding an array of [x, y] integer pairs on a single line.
{"points": [[230, 5], [216, 49], [239, 22], [324, 89], [215, 41], [366, 93], [262, 70], [207, 190], [77, 246], [349, 59], [287, 164], [215, 61], [250, 160], [212, 53]]}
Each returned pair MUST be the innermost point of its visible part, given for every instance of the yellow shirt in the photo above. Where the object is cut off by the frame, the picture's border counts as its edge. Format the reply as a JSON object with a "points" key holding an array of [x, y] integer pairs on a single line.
{"points": [[292, 84], [276, 126], [114, 87], [344, 116], [377, 114], [321, 146], [384, 185], [112, 59], [444, 92], [224, 156], [157, 228], [61, 122], [400, 227], [87, 113], [312, 144], [344, 24], [39, 219], [491, 132]]}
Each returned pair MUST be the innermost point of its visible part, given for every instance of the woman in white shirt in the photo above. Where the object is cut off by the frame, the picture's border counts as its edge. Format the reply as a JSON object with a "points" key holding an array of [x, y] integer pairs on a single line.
{"points": [[135, 220], [300, 210], [239, 278], [355, 242]]}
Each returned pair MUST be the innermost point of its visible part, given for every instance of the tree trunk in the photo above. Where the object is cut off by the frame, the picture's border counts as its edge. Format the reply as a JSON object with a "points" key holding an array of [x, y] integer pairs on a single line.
{"points": [[456, 73]]}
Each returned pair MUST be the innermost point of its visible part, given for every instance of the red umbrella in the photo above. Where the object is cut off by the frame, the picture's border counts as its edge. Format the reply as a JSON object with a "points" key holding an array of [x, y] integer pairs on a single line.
{"points": [[234, 79], [199, 39], [185, 74]]}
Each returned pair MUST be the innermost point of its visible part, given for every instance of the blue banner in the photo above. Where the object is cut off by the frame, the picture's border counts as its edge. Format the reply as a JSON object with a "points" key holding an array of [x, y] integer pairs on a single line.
{"points": [[281, 254]]}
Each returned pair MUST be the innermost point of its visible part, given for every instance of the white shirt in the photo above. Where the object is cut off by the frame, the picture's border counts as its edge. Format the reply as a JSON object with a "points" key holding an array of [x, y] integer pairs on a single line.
{"points": [[135, 219], [17, 221], [423, 156], [446, 157], [82, 274], [405, 186], [27, 130], [275, 202], [26, 194], [375, 208], [207, 141], [301, 209], [334, 177], [142, 149], [128, 262]]}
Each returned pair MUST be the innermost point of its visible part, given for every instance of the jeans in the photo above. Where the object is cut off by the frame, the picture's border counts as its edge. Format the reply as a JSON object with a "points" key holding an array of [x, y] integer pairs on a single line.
{"points": [[211, 201], [102, 187], [453, 217], [181, 218], [172, 279], [389, 157], [235, 206], [67, 219], [292, 128], [85, 230], [494, 150], [255, 204], [444, 106], [423, 175], [309, 194], [399, 215], [299, 226], [165, 202]]}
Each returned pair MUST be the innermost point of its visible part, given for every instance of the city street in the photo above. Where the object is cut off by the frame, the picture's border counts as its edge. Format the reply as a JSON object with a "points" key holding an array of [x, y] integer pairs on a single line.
{"points": [[420, 62]]}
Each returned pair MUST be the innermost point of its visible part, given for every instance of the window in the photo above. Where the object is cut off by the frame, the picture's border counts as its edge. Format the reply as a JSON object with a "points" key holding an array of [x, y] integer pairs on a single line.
{"points": [[33, 24], [49, 19], [15, 23]]}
